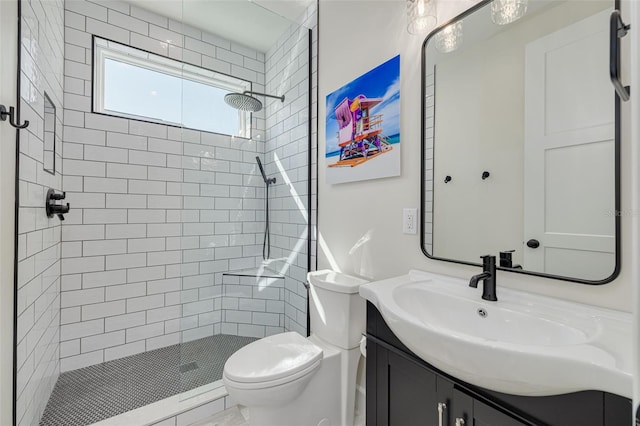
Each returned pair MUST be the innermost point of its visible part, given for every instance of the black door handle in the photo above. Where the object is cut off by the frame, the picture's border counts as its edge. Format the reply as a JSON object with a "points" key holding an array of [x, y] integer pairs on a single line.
{"points": [[617, 30], [532, 243]]}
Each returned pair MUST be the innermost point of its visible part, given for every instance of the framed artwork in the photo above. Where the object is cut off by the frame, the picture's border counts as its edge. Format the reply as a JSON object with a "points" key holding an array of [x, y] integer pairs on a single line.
{"points": [[363, 126]]}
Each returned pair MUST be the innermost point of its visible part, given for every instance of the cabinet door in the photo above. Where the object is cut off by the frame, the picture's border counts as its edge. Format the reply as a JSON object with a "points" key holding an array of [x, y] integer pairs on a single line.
{"points": [[445, 390], [461, 409], [409, 394], [467, 411], [484, 415]]}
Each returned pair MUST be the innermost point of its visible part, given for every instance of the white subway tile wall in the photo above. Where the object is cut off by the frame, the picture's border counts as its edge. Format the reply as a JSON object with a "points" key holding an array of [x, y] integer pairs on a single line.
{"points": [[39, 248], [428, 163], [287, 158], [160, 213], [252, 306]]}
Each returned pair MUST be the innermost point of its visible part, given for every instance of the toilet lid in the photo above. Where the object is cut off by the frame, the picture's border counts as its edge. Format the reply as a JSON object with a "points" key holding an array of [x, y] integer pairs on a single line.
{"points": [[272, 358]]}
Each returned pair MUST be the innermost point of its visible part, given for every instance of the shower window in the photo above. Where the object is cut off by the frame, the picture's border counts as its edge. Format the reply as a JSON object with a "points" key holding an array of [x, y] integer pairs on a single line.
{"points": [[139, 85]]}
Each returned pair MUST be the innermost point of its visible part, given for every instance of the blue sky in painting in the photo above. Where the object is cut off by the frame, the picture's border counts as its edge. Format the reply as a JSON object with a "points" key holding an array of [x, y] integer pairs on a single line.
{"points": [[381, 82]]}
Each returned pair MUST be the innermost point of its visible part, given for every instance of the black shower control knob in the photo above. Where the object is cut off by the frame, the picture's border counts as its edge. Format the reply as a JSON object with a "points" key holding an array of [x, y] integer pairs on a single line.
{"points": [[533, 243], [59, 196]]}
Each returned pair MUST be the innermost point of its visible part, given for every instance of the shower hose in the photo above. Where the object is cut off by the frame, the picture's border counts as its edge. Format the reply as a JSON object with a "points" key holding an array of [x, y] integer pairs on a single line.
{"points": [[266, 244]]}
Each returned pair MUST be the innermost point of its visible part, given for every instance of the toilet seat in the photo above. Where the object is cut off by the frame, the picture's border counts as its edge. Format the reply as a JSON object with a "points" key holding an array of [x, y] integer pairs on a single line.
{"points": [[272, 361], [272, 383]]}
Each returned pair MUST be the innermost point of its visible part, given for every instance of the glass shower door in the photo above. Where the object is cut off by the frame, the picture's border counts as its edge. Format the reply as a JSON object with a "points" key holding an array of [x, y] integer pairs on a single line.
{"points": [[236, 289]]}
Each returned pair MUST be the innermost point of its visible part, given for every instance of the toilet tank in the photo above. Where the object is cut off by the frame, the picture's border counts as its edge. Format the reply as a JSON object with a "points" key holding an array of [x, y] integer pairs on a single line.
{"points": [[338, 313]]}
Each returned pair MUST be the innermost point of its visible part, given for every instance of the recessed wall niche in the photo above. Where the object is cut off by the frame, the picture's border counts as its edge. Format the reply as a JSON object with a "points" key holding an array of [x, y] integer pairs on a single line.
{"points": [[49, 139]]}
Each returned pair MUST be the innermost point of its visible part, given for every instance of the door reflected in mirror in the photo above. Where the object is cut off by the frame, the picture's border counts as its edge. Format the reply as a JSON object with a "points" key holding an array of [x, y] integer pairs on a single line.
{"points": [[521, 142]]}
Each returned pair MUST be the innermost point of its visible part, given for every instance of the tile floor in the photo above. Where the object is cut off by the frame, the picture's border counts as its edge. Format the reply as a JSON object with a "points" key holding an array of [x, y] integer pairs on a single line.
{"points": [[234, 416], [88, 395]]}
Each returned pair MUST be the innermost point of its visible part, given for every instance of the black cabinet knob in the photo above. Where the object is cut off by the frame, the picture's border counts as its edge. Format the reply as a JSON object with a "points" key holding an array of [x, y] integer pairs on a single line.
{"points": [[532, 243]]}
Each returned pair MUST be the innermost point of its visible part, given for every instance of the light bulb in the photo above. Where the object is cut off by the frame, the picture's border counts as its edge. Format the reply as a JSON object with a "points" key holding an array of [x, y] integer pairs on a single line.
{"points": [[507, 11], [449, 38], [421, 16]]}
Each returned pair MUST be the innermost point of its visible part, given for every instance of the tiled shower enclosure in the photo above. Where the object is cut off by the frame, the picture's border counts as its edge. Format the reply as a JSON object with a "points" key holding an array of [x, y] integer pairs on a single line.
{"points": [[163, 242]]}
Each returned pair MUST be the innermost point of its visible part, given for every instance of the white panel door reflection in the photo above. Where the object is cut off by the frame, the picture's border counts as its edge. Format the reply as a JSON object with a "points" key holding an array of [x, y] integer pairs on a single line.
{"points": [[569, 167]]}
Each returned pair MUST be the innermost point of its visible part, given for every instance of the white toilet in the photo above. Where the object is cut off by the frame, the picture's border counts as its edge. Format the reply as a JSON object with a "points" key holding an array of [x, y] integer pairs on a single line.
{"points": [[287, 379]]}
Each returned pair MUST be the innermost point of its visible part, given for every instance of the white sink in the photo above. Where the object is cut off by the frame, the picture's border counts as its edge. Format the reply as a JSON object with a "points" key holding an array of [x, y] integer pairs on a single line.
{"points": [[523, 344]]}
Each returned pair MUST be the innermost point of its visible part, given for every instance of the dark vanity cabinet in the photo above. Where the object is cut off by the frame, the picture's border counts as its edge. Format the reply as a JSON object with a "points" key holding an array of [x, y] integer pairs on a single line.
{"points": [[403, 390], [407, 393]]}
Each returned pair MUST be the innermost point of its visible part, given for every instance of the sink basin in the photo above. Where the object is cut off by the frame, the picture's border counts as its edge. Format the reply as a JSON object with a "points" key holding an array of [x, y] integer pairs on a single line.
{"points": [[523, 344], [470, 319]]}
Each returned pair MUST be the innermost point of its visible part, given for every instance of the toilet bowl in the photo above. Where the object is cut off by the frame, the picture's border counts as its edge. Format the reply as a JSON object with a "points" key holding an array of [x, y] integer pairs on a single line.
{"points": [[287, 379], [272, 371]]}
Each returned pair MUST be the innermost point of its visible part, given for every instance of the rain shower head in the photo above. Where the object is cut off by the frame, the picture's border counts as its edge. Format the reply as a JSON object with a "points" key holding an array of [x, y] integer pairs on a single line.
{"points": [[245, 102]]}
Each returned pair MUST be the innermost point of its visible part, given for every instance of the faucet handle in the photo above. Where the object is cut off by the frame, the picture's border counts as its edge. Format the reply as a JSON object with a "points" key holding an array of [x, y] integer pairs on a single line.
{"points": [[488, 260], [506, 258], [59, 195]]}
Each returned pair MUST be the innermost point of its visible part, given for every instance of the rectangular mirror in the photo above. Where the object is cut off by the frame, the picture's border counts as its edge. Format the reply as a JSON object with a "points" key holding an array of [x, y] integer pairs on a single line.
{"points": [[521, 140], [49, 159]]}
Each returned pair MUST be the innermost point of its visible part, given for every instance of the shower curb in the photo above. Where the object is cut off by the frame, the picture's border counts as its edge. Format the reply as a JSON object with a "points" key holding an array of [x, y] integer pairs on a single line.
{"points": [[179, 410]]}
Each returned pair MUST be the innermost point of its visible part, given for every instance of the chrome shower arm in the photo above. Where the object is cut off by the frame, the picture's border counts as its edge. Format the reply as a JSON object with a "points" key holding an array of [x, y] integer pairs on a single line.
{"points": [[249, 92]]}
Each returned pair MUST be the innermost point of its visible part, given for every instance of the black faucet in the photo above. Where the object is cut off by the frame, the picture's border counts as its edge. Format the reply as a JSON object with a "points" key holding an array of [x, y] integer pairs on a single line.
{"points": [[488, 276]]}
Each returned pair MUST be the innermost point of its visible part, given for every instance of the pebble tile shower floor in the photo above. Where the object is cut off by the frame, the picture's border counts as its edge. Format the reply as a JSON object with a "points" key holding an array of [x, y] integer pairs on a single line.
{"points": [[88, 395]]}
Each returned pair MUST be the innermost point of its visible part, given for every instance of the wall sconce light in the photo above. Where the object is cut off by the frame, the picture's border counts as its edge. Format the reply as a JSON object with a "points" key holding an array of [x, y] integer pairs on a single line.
{"points": [[449, 38], [507, 11], [421, 16]]}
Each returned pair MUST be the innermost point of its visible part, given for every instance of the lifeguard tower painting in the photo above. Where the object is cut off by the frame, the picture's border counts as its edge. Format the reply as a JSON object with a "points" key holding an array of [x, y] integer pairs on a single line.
{"points": [[363, 126]]}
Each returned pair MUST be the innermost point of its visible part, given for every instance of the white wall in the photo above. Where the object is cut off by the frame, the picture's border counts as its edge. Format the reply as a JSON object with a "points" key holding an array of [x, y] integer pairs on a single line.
{"points": [[480, 126], [479, 104], [359, 223]]}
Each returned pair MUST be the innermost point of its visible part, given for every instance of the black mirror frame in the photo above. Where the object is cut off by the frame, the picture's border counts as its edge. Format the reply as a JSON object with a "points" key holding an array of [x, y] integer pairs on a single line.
{"points": [[618, 243]]}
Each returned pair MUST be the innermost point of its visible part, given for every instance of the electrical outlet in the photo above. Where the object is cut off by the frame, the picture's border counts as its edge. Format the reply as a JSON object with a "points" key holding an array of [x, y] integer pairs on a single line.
{"points": [[410, 221]]}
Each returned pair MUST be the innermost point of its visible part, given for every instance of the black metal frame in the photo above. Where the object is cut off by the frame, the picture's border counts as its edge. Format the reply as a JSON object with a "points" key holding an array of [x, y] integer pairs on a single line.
{"points": [[617, 30], [14, 414], [93, 111], [309, 168], [618, 243]]}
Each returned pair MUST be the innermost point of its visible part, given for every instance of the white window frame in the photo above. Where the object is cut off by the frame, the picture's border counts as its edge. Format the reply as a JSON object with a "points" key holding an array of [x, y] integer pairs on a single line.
{"points": [[106, 49]]}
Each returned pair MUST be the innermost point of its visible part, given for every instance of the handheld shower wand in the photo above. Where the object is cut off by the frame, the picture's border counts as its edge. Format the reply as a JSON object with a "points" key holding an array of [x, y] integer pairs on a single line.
{"points": [[266, 245], [264, 176]]}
